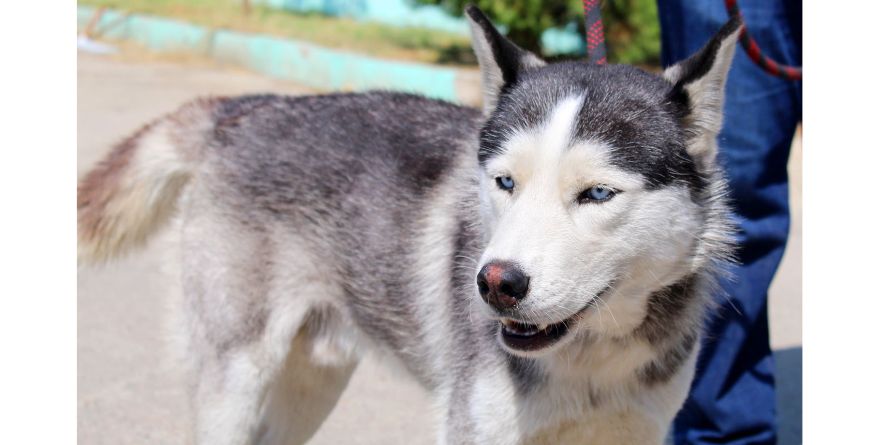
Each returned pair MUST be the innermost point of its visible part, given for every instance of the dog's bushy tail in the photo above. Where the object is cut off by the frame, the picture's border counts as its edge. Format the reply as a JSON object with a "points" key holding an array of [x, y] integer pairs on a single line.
{"points": [[128, 196]]}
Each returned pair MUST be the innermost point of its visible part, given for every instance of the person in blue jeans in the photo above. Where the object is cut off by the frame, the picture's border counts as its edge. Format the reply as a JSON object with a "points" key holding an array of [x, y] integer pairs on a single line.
{"points": [[733, 396]]}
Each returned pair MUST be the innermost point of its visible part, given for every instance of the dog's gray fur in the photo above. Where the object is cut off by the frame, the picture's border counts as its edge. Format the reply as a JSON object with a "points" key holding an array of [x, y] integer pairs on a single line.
{"points": [[317, 227]]}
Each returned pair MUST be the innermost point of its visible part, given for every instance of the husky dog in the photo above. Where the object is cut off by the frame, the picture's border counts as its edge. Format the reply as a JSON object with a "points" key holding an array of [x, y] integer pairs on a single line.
{"points": [[542, 266]]}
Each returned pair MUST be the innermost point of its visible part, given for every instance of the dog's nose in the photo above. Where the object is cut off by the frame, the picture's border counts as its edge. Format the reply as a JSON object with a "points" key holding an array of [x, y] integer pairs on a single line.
{"points": [[502, 284]]}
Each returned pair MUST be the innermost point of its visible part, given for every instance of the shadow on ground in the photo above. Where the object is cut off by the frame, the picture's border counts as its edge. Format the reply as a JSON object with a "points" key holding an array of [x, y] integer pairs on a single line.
{"points": [[789, 390]]}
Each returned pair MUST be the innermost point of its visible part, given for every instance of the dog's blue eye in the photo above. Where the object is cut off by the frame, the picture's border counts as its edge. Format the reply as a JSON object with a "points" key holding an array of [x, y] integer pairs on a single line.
{"points": [[597, 193], [505, 183]]}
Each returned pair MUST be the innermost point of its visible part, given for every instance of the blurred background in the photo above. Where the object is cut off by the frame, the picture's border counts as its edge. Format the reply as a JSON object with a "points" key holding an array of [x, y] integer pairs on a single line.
{"points": [[141, 58], [421, 30], [415, 45]]}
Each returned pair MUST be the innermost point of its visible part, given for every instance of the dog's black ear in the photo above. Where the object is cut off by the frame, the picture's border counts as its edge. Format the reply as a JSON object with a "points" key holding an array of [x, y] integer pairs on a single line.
{"points": [[699, 86], [500, 59]]}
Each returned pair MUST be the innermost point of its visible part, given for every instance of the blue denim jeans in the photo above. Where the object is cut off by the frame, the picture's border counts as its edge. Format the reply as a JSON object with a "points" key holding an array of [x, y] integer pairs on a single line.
{"points": [[733, 396]]}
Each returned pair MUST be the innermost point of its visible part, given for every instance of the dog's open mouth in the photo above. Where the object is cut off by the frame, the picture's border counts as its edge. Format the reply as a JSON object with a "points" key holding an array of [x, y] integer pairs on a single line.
{"points": [[529, 337], [521, 336]]}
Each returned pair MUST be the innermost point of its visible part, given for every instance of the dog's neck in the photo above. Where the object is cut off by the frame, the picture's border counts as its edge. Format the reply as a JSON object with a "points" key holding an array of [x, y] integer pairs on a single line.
{"points": [[650, 353]]}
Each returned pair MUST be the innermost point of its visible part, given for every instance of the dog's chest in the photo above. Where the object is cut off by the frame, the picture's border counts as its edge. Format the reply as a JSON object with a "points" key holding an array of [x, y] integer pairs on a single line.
{"points": [[572, 431]]}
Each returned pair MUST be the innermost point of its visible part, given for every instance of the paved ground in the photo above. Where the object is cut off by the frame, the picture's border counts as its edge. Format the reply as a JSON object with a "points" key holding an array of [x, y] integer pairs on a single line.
{"points": [[131, 392]]}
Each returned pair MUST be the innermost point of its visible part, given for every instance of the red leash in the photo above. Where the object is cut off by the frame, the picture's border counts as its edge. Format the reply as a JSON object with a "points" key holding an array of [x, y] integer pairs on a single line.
{"points": [[750, 46], [597, 45], [594, 31]]}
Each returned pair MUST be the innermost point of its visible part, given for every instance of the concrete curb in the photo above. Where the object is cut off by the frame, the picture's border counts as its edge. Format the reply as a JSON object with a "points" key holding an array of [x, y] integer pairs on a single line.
{"points": [[302, 62]]}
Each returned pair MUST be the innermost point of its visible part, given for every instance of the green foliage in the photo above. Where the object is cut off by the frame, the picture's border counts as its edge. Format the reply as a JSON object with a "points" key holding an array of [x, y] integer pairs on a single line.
{"points": [[631, 26], [524, 19], [632, 32]]}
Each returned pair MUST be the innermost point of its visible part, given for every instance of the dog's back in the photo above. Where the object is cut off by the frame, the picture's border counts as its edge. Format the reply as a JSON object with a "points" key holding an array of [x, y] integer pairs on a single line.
{"points": [[274, 155]]}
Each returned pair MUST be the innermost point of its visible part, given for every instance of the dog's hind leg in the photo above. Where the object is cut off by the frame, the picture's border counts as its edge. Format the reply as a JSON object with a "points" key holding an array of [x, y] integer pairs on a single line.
{"points": [[228, 397], [263, 319], [278, 388], [317, 370], [256, 395]]}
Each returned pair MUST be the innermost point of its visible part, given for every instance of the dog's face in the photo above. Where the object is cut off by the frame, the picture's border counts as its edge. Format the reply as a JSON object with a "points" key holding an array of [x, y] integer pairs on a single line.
{"points": [[590, 177]]}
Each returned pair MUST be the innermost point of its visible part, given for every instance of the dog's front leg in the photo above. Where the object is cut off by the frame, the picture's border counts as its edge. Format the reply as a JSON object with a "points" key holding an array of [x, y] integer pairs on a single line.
{"points": [[482, 409]]}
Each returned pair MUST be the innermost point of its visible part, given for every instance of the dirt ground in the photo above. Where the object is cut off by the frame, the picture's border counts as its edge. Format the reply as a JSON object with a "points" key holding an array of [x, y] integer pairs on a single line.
{"points": [[130, 389]]}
